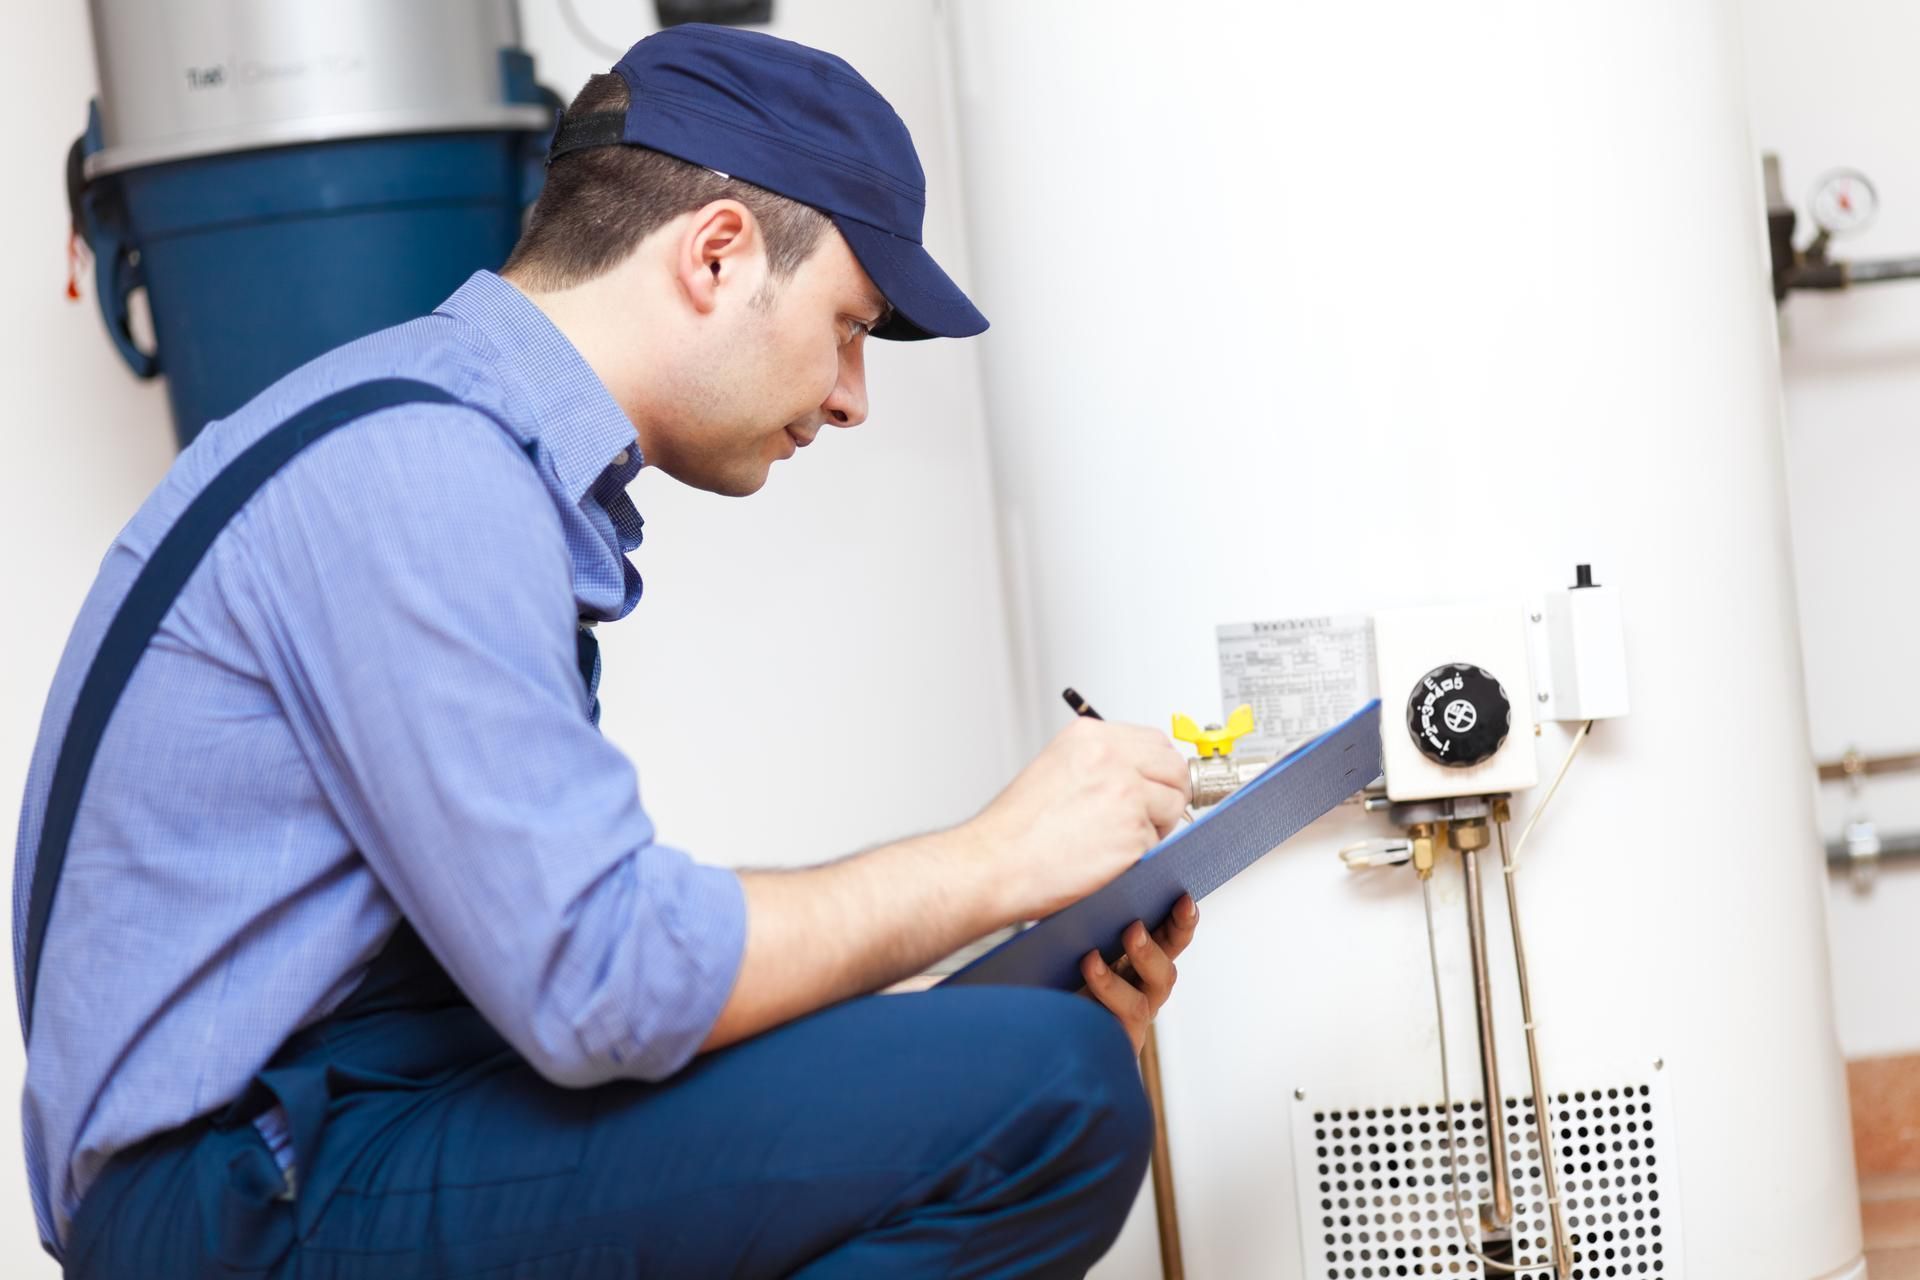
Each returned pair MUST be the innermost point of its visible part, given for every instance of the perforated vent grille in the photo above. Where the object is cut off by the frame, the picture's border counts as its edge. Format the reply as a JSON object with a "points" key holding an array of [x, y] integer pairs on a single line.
{"points": [[1375, 1203]]}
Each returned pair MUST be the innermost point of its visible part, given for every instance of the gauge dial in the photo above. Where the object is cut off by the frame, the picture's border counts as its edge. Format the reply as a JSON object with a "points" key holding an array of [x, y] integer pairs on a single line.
{"points": [[1844, 202]]}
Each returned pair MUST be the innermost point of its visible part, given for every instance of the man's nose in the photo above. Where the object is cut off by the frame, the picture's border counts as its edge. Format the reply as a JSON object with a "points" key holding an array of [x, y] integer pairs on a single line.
{"points": [[847, 406]]}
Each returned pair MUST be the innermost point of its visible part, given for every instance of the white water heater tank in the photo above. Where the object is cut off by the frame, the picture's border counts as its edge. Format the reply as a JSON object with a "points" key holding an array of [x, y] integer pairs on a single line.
{"points": [[1325, 309]]}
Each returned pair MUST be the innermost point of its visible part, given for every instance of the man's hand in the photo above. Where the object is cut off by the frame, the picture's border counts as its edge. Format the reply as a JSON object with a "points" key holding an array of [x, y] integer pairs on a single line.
{"points": [[1150, 957], [1088, 806], [1100, 795]]}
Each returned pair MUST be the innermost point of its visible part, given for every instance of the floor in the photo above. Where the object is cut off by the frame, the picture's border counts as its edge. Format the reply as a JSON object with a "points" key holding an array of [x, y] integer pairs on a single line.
{"points": [[1885, 1094]]}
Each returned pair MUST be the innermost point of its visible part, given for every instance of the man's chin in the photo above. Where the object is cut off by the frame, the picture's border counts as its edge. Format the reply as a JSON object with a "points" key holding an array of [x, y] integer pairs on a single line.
{"points": [[746, 488], [745, 476], [731, 485]]}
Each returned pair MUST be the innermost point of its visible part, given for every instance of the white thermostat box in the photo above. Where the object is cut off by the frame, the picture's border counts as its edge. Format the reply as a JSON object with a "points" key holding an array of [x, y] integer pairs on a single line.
{"points": [[1422, 719], [1585, 673]]}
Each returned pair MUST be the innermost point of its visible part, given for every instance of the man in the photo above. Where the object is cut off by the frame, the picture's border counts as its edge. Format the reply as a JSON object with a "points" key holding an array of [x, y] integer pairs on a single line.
{"points": [[358, 956]]}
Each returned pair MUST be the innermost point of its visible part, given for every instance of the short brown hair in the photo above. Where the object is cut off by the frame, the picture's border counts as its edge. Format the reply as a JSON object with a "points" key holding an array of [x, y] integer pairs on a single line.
{"points": [[600, 202]]}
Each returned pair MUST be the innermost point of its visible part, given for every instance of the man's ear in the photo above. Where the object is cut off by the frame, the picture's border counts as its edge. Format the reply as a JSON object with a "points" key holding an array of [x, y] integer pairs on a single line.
{"points": [[719, 250]]}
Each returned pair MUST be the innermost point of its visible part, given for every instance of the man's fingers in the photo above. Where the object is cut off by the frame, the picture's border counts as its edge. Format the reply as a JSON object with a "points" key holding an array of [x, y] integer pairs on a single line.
{"points": [[1142, 979], [1151, 963], [1165, 807], [1154, 755], [1177, 930], [1120, 997]]}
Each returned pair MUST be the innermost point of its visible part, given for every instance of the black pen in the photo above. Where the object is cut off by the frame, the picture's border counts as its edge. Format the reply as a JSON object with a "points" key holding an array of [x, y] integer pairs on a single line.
{"points": [[1081, 707]]}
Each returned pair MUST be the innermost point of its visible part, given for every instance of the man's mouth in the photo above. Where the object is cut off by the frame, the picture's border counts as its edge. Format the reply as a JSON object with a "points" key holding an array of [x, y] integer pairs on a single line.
{"points": [[801, 437]]}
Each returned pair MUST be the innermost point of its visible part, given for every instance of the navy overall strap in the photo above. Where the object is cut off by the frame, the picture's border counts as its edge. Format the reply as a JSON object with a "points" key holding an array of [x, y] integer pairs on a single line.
{"points": [[586, 651], [153, 592]]}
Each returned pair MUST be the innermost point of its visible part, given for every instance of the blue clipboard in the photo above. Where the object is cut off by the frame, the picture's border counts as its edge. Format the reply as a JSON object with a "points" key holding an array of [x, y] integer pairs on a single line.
{"points": [[1195, 859]]}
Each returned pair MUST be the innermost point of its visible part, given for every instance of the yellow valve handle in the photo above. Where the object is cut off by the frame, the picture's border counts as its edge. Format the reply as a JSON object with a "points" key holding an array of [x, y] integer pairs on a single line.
{"points": [[1215, 741]]}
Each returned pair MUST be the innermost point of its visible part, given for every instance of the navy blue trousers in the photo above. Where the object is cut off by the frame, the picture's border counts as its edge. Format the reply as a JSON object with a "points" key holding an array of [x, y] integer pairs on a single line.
{"points": [[971, 1132]]}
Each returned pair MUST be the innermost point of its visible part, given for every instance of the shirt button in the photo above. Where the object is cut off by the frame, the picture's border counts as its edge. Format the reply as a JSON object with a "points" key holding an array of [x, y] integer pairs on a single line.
{"points": [[621, 458]]}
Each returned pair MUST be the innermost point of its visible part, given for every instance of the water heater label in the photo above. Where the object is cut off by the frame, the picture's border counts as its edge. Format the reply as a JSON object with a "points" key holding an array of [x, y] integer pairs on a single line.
{"points": [[1302, 676]]}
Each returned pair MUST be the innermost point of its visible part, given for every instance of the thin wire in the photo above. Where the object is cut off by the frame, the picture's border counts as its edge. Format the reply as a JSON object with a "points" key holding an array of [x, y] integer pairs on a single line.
{"points": [[584, 34], [1446, 1093], [1547, 799]]}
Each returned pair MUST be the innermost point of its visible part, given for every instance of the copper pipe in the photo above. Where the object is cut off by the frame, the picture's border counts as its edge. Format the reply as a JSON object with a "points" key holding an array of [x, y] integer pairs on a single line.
{"points": [[1166, 1214], [1855, 765]]}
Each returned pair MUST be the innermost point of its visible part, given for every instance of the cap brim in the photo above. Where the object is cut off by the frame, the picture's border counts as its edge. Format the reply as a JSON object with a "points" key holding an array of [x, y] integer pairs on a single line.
{"points": [[926, 302]]}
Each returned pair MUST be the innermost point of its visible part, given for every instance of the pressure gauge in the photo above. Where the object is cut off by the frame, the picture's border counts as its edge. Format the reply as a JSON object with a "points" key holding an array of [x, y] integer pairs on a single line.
{"points": [[1844, 202]]}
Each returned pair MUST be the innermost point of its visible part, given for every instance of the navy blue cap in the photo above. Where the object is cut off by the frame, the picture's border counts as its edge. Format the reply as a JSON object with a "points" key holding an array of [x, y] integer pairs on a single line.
{"points": [[802, 124]]}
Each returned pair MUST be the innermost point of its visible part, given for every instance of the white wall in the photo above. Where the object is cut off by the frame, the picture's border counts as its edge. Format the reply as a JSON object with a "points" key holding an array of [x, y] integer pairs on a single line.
{"points": [[87, 443], [817, 669], [1833, 85]]}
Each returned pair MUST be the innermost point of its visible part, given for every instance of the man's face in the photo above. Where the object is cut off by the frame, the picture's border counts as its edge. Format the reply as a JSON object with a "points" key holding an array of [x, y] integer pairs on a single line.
{"points": [[776, 362]]}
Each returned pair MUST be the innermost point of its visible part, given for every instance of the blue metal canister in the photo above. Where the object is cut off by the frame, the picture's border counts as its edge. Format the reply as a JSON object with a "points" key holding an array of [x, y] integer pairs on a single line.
{"points": [[290, 187]]}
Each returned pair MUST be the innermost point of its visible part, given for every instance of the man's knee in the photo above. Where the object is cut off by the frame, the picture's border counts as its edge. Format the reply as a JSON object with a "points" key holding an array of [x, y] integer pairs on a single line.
{"points": [[1086, 1086]]}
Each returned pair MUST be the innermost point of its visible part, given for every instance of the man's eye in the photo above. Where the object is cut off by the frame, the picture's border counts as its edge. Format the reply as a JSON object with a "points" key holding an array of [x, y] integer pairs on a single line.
{"points": [[855, 329]]}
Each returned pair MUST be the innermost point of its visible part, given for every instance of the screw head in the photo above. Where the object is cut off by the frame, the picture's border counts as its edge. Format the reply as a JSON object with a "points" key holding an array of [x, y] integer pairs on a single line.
{"points": [[1299, 1095], [1542, 696], [1659, 1064], [1534, 616]]}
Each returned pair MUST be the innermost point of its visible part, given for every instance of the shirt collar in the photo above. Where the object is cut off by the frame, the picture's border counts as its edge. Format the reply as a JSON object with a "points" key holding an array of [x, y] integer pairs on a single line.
{"points": [[572, 414]]}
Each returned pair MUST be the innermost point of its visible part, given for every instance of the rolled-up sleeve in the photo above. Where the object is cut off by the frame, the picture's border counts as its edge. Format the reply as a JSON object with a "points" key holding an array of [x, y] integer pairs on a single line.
{"points": [[418, 621]]}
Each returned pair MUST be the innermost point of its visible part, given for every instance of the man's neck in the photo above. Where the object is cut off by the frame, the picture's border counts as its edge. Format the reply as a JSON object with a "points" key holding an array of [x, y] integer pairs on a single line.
{"points": [[609, 344]]}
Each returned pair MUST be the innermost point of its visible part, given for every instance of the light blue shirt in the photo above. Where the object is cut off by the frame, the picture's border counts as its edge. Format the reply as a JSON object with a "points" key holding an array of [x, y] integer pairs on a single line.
{"points": [[367, 703]]}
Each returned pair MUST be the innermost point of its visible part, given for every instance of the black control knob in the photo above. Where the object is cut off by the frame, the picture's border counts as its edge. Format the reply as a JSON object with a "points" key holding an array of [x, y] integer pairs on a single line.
{"points": [[1458, 715]]}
